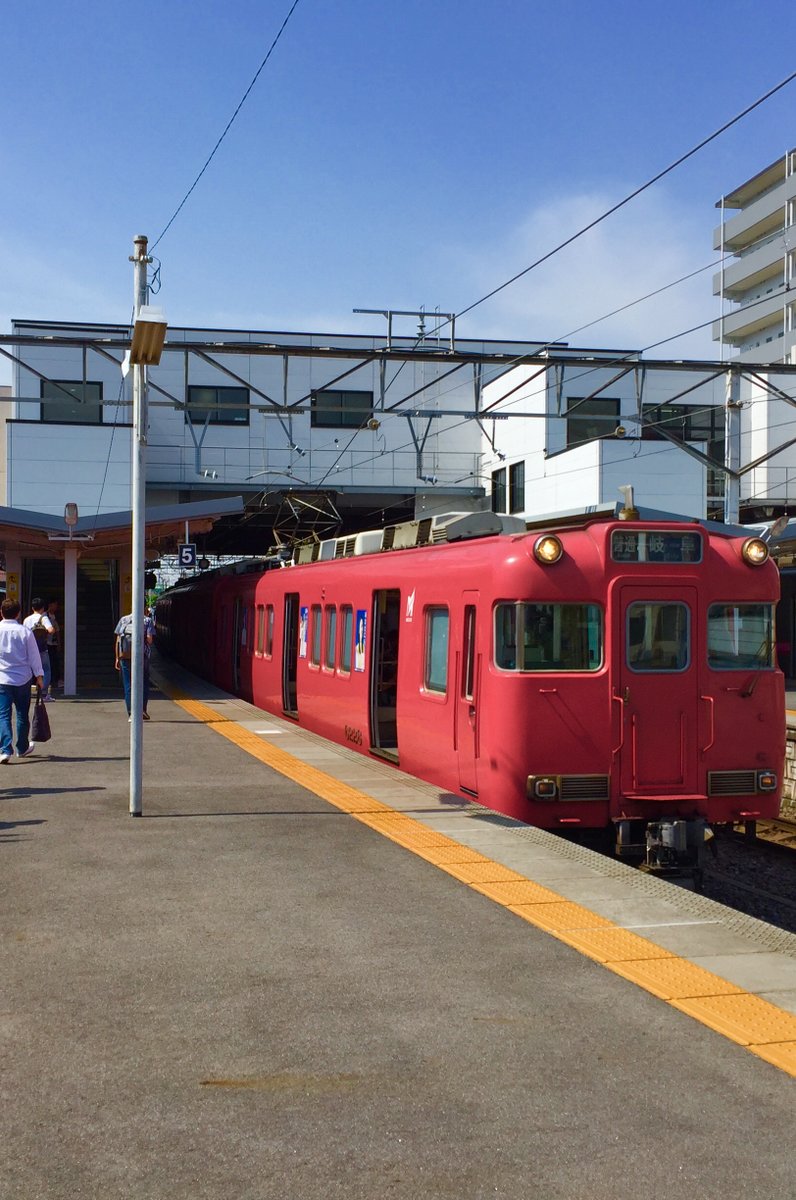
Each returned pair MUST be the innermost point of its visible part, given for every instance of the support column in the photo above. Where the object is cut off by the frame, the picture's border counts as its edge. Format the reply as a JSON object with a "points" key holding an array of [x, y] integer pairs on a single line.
{"points": [[732, 449], [69, 630]]}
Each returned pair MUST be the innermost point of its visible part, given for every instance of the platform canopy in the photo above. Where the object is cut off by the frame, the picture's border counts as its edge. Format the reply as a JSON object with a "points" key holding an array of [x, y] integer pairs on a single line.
{"points": [[45, 535]]}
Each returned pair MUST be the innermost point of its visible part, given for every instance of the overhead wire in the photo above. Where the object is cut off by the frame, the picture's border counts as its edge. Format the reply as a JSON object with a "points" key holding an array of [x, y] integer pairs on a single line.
{"points": [[632, 195], [227, 127]]}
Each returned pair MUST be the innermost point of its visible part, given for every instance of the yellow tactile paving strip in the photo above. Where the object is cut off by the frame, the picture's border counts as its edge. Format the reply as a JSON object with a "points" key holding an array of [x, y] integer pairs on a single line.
{"points": [[762, 1027]]}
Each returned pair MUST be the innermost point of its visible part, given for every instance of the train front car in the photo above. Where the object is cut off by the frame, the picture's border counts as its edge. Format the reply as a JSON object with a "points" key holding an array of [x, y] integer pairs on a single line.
{"points": [[642, 659]]}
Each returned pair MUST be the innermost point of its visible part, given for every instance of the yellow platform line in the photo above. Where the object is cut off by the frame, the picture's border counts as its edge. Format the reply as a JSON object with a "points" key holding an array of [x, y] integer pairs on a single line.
{"points": [[761, 1027]]}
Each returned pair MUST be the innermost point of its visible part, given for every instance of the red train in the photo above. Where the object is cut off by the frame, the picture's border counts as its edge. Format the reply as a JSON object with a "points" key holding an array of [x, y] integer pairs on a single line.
{"points": [[599, 670]]}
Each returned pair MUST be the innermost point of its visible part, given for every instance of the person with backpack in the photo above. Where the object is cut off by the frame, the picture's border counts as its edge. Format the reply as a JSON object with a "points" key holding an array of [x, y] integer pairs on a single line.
{"points": [[123, 635], [20, 664], [42, 628]]}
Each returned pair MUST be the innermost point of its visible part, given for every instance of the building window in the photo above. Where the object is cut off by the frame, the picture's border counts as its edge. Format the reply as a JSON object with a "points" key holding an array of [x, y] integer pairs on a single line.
{"points": [[67, 402], [499, 490], [588, 419], [690, 423], [349, 410], [436, 672], [517, 487], [217, 406]]}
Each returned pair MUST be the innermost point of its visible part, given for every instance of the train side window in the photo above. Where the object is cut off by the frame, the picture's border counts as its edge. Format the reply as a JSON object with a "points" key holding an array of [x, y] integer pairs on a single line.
{"points": [[436, 666], [740, 637], [317, 631], [346, 637], [269, 631], [258, 647], [331, 636], [548, 637], [658, 636]]}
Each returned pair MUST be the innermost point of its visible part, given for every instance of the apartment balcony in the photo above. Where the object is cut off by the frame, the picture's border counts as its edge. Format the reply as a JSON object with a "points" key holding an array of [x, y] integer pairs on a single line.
{"points": [[781, 349], [762, 217], [754, 269], [740, 324]]}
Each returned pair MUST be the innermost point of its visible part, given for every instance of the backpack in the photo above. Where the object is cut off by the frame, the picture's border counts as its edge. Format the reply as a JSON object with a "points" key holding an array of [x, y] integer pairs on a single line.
{"points": [[41, 633], [126, 642]]}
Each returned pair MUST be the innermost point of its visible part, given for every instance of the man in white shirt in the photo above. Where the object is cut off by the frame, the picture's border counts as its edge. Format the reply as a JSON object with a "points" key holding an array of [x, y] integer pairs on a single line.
{"points": [[20, 664]]}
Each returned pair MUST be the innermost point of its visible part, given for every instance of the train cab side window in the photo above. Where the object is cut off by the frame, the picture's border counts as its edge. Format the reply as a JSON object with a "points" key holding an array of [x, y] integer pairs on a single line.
{"points": [[436, 665], [317, 631], [658, 636], [269, 631], [346, 637], [331, 637], [548, 637], [740, 637], [258, 648]]}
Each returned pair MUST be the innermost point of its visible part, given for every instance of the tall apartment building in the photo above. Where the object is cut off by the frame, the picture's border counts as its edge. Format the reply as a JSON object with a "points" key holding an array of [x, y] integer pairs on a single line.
{"points": [[757, 238]]}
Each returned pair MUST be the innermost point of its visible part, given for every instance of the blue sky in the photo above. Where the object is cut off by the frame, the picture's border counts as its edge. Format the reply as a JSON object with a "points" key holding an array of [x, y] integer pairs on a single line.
{"points": [[390, 155]]}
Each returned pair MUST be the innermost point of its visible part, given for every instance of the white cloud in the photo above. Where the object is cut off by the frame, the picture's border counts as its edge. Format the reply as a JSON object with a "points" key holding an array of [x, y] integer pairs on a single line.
{"points": [[634, 252]]}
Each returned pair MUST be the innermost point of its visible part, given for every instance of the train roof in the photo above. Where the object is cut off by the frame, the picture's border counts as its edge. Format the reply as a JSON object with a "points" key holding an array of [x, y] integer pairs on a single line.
{"points": [[453, 527]]}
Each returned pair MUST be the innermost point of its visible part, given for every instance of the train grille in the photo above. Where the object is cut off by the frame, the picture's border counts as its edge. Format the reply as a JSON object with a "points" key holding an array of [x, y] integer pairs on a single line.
{"points": [[732, 783], [584, 787]]}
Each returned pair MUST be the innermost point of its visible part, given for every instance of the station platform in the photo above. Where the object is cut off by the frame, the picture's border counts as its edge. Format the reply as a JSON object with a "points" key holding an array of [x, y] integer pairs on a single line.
{"points": [[304, 974]]}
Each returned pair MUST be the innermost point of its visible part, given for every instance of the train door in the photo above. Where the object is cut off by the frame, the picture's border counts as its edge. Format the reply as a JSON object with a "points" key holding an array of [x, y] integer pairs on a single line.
{"points": [[466, 699], [384, 672], [657, 691], [238, 626], [290, 654]]}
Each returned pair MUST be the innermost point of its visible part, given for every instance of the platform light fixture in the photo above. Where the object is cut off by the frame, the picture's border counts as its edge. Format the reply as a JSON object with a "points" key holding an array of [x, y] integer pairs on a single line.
{"points": [[149, 334], [70, 514]]}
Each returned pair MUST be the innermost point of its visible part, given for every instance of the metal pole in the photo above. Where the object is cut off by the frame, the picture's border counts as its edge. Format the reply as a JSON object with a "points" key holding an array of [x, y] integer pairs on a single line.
{"points": [[139, 260], [732, 448]]}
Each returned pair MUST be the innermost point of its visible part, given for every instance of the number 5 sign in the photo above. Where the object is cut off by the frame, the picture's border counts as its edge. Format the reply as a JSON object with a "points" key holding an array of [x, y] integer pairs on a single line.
{"points": [[186, 554]]}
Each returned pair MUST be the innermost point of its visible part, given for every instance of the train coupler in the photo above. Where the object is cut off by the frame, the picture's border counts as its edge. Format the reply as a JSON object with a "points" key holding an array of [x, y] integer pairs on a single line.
{"points": [[663, 847]]}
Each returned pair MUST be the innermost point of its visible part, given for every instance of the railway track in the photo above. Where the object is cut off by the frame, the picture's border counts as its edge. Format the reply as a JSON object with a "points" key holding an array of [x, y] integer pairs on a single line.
{"points": [[756, 875], [781, 832]]}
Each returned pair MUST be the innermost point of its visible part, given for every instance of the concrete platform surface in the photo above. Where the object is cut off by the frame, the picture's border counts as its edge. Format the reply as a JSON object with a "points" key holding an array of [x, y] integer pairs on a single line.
{"points": [[251, 992]]}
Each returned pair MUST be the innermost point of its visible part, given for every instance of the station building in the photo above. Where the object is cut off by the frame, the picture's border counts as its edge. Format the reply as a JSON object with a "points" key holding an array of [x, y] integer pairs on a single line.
{"points": [[257, 438]]}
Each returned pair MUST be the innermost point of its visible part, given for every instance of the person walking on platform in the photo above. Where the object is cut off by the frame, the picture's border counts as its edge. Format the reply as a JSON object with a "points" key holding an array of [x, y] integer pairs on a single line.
{"points": [[20, 664], [123, 635], [42, 628], [54, 649]]}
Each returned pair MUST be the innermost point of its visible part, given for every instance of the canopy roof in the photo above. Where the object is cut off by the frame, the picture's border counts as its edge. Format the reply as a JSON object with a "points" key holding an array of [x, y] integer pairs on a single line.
{"points": [[45, 535]]}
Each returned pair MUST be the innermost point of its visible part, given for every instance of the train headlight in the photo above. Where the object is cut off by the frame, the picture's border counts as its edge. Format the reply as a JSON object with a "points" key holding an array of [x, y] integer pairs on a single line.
{"points": [[754, 551], [547, 549], [766, 781]]}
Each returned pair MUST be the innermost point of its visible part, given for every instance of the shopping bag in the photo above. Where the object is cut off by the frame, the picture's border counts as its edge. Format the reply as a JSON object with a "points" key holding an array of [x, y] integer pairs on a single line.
{"points": [[40, 725]]}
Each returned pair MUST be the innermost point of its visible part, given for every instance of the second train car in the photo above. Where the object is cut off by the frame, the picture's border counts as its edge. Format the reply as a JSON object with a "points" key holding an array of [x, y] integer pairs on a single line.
{"points": [[603, 670]]}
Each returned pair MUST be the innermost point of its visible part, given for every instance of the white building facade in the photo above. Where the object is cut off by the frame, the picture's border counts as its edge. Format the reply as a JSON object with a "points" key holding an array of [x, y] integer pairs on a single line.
{"points": [[389, 427]]}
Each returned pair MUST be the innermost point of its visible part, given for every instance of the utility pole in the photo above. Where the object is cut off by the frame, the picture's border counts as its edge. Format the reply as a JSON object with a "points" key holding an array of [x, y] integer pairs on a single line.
{"points": [[732, 448], [140, 261]]}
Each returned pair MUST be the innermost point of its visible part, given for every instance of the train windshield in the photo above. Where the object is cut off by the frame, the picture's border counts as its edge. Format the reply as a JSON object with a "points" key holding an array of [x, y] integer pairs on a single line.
{"points": [[740, 636], [548, 637]]}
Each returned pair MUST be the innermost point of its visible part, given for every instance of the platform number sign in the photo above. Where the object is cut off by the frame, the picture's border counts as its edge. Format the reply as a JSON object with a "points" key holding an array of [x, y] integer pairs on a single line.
{"points": [[186, 554]]}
